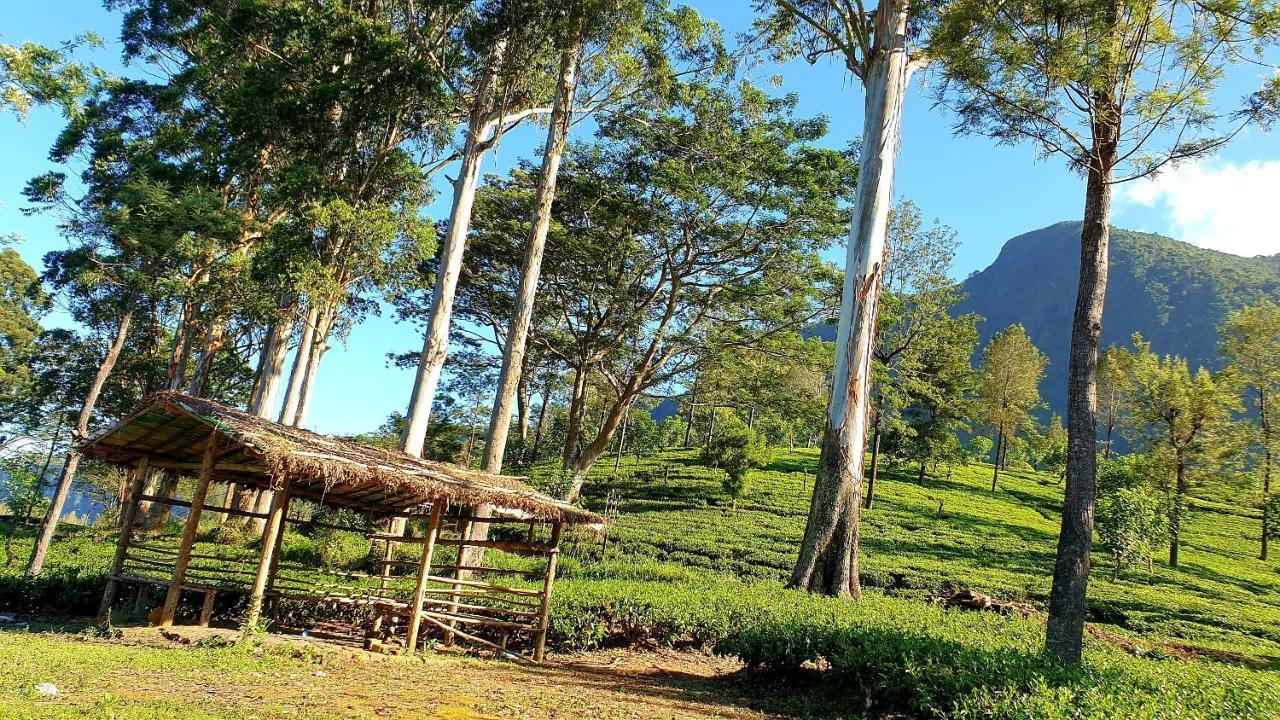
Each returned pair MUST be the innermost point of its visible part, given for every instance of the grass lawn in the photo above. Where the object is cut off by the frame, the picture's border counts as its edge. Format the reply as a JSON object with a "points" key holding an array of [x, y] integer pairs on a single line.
{"points": [[143, 675]]}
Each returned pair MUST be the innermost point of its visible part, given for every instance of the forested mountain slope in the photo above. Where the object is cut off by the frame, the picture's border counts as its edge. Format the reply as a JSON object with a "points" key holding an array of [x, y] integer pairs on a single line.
{"points": [[1172, 292]]}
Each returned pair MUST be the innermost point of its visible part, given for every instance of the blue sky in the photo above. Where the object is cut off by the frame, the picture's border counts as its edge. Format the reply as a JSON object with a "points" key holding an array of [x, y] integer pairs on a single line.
{"points": [[987, 193]]}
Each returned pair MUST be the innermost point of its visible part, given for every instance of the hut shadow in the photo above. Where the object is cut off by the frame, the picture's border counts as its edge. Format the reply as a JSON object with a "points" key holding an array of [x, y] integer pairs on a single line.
{"points": [[806, 693]]}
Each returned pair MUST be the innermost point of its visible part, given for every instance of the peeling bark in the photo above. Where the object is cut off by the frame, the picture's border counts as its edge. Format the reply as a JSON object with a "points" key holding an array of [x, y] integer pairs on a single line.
{"points": [[828, 559]]}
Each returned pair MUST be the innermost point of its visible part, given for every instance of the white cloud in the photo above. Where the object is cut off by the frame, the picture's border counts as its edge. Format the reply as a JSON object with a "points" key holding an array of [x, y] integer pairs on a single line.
{"points": [[1219, 205]]}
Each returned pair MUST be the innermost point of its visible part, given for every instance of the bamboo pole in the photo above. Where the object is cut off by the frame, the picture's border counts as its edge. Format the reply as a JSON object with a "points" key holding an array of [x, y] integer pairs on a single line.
{"points": [[275, 524], [128, 511], [540, 649], [189, 532], [424, 571]]}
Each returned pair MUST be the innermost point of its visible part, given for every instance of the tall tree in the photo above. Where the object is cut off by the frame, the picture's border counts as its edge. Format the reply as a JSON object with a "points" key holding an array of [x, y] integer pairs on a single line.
{"points": [[629, 52], [875, 46], [1121, 89], [1251, 344], [678, 232], [1012, 368], [508, 49]]}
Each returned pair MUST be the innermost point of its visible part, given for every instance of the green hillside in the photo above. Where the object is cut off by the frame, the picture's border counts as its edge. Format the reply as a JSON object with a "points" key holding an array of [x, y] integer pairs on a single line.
{"points": [[1174, 293], [1001, 544]]}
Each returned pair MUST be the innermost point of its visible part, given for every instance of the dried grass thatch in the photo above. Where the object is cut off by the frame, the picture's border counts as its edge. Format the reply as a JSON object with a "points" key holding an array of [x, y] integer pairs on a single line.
{"points": [[172, 429]]}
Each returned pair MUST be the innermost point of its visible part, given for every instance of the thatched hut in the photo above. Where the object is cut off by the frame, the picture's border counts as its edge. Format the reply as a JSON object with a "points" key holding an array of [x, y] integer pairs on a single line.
{"points": [[175, 433]]}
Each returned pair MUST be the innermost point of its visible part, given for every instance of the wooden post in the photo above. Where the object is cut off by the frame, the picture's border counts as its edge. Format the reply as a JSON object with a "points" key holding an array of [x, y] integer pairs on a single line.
{"points": [[464, 532], [128, 511], [189, 532], [206, 608], [544, 612], [424, 569], [274, 526], [275, 551]]}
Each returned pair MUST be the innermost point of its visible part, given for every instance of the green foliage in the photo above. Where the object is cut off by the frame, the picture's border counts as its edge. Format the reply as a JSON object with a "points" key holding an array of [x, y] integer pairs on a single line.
{"points": [[736, 449], [22, 485], [1012, 368], [31, 74], [899, 656], [1130, 523], [980, 448]]}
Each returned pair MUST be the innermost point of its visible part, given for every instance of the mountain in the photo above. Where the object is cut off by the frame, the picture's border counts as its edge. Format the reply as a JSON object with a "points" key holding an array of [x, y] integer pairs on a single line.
{"points": [[1174, 293]]}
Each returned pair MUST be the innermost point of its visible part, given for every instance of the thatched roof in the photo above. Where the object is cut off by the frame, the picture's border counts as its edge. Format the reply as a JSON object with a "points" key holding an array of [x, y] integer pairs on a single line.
{"points": [[172, 430]]}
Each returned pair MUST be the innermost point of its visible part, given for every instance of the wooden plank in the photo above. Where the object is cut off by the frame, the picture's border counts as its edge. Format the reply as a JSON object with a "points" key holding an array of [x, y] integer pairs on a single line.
{"points": [[487, 586], [206, 608], [214, 508], [189, 532], [275, 552]]}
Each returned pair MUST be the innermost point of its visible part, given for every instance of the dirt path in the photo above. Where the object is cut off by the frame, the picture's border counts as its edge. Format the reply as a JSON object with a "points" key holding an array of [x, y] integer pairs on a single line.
{"points": [[144, 672]]}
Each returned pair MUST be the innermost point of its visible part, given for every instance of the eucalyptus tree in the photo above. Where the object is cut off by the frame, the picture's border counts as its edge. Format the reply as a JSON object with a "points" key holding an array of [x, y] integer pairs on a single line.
{"points": [[505, 52], [613, 53], [1012, 368], [1122, 90], [1251, 344], [876, 46]]}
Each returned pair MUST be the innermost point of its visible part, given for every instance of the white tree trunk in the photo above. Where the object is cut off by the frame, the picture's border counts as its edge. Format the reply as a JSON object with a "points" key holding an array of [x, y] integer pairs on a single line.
{"points": [[828, 561], [271, 360], [275, 348], [289, 409], [319, 346], [435, 347], [522, 316]]}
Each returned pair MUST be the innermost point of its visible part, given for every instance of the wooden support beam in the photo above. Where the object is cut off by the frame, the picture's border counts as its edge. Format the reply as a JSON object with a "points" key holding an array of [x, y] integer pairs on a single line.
{"points": [[212, 508], [275, 525], [512, 547], [424, 571], [189, 532], [544, 613], [275, 552], [128, 511], [206, 608]]}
